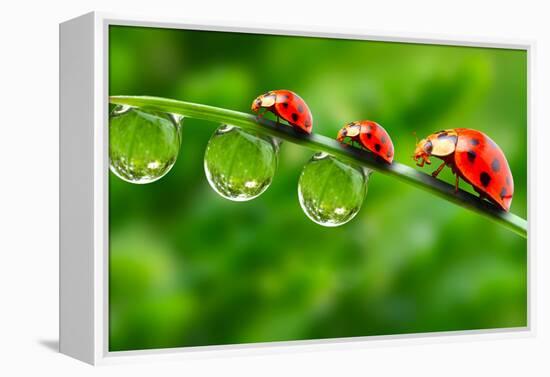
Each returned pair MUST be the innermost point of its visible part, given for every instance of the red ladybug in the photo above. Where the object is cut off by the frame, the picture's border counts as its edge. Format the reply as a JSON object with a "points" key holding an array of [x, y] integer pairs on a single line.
{"points": [[475, 158], [370, 135], [287, 105]]}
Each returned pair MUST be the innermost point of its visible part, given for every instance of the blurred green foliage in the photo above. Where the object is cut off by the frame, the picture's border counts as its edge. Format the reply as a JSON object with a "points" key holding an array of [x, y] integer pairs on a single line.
{"points": [[190, 268]]}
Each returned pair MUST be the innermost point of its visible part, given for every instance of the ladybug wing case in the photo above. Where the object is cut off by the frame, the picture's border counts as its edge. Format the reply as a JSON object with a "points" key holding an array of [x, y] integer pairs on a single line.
{"points": [[484, 165], [294, 110], [375, 138]]}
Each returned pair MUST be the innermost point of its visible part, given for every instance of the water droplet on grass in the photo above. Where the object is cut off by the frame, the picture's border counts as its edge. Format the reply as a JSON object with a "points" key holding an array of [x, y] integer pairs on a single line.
{"points": [[331, 192], [240, 165], [143, 144]]}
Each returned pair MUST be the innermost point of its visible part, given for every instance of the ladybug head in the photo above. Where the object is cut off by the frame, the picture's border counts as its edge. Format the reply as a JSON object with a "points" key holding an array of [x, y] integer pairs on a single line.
{"points": [[349, 130], [342, 134], [264, 100], [256, 104], [423, 152]]}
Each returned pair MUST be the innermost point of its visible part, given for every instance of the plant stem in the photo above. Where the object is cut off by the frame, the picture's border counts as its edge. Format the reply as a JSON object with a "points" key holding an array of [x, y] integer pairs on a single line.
{"points": [[322, 143]]}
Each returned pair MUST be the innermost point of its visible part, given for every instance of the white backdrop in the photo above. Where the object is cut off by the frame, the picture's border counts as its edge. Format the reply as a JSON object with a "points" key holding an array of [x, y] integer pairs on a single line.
{"points": [[29, 184]]}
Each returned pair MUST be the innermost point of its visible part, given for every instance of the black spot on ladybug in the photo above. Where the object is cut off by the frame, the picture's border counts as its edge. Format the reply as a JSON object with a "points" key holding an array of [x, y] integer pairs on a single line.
{"points": [[474, 142], [300, 108], [508, 180], [294, 117], [286, 96], [471, 156], [285, 105], [377, 147], [388, 153], [383, 140], [495, 165], [485, 179], [442, 134], [503, 193], [369, 135]]}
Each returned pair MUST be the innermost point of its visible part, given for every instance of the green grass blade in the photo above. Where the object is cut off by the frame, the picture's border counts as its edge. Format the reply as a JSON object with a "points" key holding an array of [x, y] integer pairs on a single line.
{"points": [[322, 143]]}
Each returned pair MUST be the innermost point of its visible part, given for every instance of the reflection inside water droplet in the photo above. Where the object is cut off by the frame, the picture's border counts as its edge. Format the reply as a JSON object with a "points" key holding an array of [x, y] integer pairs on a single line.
{"points": [[240, 165], [331, 192], [143, 144]]}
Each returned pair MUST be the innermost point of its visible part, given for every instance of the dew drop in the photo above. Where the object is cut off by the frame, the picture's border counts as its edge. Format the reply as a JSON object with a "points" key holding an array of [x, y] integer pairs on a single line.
{"points": [[143, 144], [331, 192], [240, 165]]}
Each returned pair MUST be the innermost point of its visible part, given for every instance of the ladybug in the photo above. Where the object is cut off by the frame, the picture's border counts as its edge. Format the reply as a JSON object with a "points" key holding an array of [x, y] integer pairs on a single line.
{"points": [[475, 158], [287, 105], [369, 135]]}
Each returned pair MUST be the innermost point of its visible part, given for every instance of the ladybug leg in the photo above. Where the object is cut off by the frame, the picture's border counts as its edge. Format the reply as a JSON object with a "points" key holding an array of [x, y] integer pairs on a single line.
{"points": [[456, 184], [261, 114], [438, 170]]}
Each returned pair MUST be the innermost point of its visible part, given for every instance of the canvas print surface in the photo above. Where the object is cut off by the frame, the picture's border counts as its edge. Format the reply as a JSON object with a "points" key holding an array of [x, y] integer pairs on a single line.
{"points": [[269, 188]]}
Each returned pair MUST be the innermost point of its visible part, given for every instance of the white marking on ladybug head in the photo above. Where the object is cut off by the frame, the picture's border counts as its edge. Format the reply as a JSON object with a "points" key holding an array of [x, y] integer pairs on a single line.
{"points": [[268, 101], [443, 144], [354, 130]]}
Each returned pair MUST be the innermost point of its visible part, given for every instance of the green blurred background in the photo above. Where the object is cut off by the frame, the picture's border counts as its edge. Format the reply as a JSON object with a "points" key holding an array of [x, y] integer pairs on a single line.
{"points": [[189, 268]]}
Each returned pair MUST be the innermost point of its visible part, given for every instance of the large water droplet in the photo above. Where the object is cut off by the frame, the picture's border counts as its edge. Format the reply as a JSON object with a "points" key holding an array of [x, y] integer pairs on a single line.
{"points": [[331, 192], [240, 165], [143, 144]]}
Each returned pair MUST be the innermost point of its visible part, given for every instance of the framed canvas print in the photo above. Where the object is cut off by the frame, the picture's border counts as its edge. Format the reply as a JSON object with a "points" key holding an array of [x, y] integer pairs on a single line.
{"points": [[234, 189]]}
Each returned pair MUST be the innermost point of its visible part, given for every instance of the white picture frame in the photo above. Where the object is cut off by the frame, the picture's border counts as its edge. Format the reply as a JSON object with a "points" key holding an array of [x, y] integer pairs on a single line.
{"points": [[84, 168]]}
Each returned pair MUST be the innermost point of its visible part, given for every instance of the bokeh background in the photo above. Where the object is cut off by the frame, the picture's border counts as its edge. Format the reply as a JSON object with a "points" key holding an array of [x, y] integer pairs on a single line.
{"points": [[189, 268]]}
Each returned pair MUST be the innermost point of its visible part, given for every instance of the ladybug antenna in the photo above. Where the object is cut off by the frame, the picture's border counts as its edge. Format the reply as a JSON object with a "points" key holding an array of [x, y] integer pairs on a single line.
{"points": [[416, 141], [415, 136]]}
